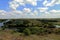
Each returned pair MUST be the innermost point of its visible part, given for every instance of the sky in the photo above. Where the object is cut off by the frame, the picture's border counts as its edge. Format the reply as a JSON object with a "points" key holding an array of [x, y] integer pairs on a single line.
{"points": [[13, 9]]}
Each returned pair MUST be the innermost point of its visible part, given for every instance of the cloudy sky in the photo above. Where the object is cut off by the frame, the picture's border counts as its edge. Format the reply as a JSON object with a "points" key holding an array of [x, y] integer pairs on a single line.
{"points": [[29, 9]]}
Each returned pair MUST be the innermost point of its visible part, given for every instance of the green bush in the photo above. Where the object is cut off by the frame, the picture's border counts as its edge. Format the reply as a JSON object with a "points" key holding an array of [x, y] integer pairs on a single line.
{"points": [[37, 30], [34, 30], [26, 31]]}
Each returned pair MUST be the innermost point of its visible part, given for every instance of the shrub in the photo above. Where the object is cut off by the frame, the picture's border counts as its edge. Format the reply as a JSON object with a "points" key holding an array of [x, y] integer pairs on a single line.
{"points": [[26, 31], [34, 30], [37, 30]]}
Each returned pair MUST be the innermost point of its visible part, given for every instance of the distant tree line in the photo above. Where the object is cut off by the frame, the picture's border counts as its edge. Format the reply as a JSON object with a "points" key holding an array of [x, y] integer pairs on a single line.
{"points": [[31, 26]]}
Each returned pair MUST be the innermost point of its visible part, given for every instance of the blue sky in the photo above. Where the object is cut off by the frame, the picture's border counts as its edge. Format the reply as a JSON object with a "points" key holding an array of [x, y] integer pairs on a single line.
{"points": [[29, 9], [4, 5]]}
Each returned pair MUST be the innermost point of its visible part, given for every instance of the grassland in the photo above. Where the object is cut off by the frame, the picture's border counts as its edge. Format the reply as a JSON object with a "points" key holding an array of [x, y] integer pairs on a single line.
{"points": [[8, 35]]}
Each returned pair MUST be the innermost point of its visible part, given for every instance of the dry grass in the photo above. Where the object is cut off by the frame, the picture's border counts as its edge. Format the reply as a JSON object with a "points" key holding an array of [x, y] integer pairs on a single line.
{"points": [[46, 37], [8, 35]]}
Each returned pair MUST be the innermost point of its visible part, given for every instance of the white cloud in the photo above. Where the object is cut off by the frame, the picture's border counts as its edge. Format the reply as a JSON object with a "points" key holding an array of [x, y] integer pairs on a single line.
{"points": [[16, 3], [35, 12], [21, 14], [51, 14], [43, 9], [8, 15], [33, 2], [16, 12], [13, 5], [26, 13], [55, 11], [2, 12], [58, 2], [19, 0], [45, 3], [27, 10]]}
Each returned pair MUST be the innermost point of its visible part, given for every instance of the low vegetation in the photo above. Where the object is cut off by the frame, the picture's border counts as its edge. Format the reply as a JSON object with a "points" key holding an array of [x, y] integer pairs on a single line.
{"points": [[28, 27]]}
